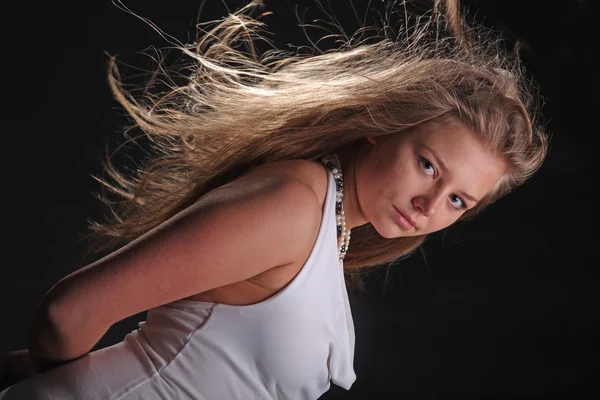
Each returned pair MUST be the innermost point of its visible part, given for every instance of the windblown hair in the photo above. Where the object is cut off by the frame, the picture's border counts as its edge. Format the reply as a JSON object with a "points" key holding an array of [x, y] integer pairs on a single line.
{"points": [[238, 109]]}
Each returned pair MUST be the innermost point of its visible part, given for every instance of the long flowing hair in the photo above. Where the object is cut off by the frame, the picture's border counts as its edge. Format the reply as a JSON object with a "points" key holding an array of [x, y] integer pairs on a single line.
{"points": [[238, 107]]}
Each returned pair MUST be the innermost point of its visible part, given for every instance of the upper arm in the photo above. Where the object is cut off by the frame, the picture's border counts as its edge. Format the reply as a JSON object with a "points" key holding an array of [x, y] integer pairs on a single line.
{"points": [[229, 237]]}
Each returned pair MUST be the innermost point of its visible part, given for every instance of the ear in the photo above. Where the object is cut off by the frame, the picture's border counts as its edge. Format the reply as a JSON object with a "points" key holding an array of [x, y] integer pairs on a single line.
{"points": [[371, 139]]}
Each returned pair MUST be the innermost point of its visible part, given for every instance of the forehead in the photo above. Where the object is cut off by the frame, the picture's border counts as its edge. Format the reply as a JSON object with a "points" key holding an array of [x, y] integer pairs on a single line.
{"points": [[468, 158], [454, 139], [443, 131]]}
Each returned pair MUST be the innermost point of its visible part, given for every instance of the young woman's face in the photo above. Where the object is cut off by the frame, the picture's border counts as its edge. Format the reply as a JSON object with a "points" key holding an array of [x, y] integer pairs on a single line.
{"points": [[430, 175]]}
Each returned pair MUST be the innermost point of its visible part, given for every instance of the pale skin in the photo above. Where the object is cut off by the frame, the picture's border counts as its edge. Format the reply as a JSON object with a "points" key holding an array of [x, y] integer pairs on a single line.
{"points": [[428, 174]]}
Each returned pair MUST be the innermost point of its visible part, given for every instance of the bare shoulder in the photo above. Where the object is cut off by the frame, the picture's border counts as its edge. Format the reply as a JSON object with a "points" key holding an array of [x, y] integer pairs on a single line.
{"points": [[289, 178], [308, 172]]}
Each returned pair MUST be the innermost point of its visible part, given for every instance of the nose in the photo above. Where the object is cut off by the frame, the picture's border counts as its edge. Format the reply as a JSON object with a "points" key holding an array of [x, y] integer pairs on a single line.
{"points": [[428, 203]]}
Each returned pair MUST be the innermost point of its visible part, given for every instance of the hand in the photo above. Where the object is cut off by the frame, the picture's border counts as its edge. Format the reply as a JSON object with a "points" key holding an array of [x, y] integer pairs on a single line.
{"points": [[15, 366]]}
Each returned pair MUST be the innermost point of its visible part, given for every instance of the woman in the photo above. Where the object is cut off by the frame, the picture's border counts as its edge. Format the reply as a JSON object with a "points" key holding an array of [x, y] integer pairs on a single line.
{"points": [[236, 237]]}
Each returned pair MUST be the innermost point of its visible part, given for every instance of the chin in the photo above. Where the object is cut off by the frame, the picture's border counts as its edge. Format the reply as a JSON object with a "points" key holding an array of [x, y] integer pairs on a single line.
{"points": [[387, 233]]}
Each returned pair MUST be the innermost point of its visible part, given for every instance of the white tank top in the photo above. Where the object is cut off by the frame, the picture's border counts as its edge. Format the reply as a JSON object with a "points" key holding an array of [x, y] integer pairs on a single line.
{"points": [[289, 346]]}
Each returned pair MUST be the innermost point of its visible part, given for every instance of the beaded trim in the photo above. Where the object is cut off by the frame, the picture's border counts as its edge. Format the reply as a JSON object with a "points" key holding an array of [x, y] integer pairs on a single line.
{"points": [[332, 163]]}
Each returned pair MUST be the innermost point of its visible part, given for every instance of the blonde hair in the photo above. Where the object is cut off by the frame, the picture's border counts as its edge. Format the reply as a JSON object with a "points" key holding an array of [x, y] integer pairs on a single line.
{"points": [[238, 109]]}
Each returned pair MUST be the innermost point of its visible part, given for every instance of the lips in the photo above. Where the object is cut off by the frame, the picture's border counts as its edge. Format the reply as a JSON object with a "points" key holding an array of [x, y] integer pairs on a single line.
{"points": [[407, 218]]}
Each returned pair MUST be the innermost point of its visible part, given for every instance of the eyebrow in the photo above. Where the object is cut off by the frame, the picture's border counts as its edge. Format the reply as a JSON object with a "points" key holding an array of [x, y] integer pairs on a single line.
{"points": [[443, 166]]}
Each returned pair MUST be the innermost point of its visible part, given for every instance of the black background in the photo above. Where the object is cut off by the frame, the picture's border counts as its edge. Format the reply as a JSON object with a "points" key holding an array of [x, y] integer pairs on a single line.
{"points": [[504, 306]]}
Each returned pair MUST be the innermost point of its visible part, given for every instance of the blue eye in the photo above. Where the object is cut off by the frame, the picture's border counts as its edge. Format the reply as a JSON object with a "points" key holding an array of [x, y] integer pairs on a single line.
{"points": [[462, 203], [431, 171], [426, 165]]}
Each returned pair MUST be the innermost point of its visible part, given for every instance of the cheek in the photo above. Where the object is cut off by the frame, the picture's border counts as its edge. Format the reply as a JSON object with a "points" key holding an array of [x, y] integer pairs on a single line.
{"points": [[410, 181]]}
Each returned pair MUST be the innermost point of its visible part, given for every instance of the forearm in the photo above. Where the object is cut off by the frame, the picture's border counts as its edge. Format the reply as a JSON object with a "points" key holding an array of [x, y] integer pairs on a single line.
{"points": [[54, 338]]}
